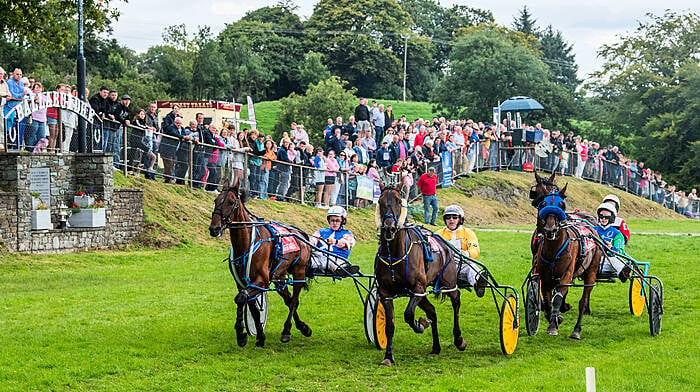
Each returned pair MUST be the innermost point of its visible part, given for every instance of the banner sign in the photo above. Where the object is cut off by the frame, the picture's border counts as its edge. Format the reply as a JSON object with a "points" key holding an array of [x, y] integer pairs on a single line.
{"points": [[52, 99], [251, 110], [365, 188], [446, 157]]}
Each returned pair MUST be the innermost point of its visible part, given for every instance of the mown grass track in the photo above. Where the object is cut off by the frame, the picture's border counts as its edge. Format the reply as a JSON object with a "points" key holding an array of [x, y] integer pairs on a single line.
{"points": [[163, 320]]}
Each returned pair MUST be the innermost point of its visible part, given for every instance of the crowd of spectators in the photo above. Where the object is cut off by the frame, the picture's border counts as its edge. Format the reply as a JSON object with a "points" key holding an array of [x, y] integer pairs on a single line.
{"points": [[375, 142]]}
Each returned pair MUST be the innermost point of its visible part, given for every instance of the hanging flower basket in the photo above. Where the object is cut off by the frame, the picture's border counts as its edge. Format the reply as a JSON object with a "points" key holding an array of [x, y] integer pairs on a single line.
{"points": [[41, 220]]}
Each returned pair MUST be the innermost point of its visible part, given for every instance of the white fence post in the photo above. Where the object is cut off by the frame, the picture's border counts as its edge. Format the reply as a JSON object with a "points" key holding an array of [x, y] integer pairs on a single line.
{"points": [[590, 379]]}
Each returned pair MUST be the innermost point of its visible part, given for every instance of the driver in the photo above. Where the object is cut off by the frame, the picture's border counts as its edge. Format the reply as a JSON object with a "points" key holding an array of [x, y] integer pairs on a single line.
{"points": [[338, 241], [619, 223], [612, 236], [465, 240]]}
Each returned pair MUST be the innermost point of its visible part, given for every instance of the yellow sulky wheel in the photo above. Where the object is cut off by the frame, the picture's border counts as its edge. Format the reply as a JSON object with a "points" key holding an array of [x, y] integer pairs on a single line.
{"points": [[637, 297], [380, 327], [509, 325]]}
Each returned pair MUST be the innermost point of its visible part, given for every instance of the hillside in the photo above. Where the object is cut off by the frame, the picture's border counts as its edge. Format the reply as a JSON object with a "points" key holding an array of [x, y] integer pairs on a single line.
{"points": [[177, 216], [266, 112]]}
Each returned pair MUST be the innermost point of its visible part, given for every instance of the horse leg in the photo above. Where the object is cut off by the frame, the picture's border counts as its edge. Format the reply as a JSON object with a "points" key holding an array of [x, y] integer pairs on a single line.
{"points": [[260, 336], [410, 313], [241, 335], [429, 310], [565, 306], [389, 330], [583, 304], [287, 329], [555, 318], [459, 341]]}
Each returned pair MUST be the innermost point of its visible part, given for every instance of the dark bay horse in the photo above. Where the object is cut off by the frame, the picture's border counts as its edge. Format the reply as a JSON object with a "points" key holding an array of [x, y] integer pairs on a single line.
{"points": [[258, 260], [557, 262], [407, 263]]}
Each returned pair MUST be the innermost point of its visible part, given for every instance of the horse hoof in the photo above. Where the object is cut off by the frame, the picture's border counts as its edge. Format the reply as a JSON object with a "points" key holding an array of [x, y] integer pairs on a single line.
{"points": [[242, 340], [436, 351], [386, 362], [461, 344], [305, 330], [565, 307], [575, 335], [260, 342], [285, 338], [552, 331]]}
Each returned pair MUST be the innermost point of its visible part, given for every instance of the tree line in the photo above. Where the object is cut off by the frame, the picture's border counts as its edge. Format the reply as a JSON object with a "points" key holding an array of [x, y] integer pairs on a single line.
{"points": [[457, 58]]}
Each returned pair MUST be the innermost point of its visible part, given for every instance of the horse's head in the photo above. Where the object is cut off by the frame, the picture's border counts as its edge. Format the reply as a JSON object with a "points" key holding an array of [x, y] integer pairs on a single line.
{"points": [[552, 212], [391, 211], [228, 208], [543, 186]]}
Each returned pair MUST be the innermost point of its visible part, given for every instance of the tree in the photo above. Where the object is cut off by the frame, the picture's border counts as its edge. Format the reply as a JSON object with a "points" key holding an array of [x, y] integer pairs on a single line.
{"points": [[439, 24], [559, 56], [325, 99], [281, 14], [486, 66], [525, 23], [648, 86], [312, 70], [51, 24], [362, 42]]}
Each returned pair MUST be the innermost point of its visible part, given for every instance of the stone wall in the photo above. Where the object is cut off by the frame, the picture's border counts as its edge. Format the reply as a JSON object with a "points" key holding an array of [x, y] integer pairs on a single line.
{"points": [[68, 173]]}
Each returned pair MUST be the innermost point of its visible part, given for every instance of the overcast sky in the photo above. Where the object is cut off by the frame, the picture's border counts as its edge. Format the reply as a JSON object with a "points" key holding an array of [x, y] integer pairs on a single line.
{"points": [[586, 26]]}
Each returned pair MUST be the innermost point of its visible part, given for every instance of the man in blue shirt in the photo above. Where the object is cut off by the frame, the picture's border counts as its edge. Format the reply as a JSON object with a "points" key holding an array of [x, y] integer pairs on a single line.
{"points": [[338, 241], [378, 121], [384, 156], [16, 89]]}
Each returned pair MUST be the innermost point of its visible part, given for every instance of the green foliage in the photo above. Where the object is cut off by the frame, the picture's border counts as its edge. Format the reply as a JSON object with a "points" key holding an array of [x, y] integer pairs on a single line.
{"points": [[327, 98], [312, 70], [486, 66], [525, 23], [51, 25], [362, 42], [648, 87], [559, 56]]}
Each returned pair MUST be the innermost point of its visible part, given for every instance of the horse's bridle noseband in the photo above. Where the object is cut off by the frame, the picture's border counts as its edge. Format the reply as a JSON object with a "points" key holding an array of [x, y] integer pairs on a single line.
{"points": [[225, 219]]}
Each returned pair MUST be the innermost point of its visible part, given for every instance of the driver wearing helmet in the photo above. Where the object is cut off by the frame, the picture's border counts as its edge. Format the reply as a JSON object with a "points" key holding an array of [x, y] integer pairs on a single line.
{"points": [[465, 240], [619, 223], [337, 240], [612, 236]]}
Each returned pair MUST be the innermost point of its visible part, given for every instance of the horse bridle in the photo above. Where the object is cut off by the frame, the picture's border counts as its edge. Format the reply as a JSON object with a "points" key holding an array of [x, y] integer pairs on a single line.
{"points": [[225, 219], [391, 230]]}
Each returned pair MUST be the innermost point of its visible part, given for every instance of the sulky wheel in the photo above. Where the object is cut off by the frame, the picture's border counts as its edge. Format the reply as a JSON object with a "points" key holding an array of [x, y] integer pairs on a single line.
{"points": [[533, 300], [262, 306], [655, 308], [636, 296], [509, 325], [375, 322]]}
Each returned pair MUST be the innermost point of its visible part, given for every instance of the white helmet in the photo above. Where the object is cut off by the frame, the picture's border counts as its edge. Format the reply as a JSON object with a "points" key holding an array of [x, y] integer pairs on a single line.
{"points": [[610, 207], [454, 210], [612, 198], [337, 211]]}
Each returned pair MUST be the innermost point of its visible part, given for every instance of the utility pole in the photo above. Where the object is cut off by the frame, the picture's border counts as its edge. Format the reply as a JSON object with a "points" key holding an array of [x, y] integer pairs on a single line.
{"points": [[82, 125], [405, 57]]}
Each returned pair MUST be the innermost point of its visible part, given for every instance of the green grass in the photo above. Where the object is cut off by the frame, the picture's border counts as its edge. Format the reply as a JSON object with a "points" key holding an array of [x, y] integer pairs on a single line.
{"points": [[266, 112], [163, 320]]}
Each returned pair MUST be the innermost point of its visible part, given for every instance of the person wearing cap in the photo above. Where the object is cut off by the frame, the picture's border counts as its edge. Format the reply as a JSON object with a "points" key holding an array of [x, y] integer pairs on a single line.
{"points": [[337, 242], [612, 236], [384, 156], [619, 223], [427, 183], [465, 240]]}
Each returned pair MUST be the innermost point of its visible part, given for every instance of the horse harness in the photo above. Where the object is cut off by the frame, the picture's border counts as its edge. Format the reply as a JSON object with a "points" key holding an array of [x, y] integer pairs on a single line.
{"points": [[393, 262], [573, 234]]}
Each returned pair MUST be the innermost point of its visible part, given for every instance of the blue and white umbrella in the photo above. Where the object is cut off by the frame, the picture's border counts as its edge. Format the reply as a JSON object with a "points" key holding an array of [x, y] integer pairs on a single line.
{"points": [[520, 104]]}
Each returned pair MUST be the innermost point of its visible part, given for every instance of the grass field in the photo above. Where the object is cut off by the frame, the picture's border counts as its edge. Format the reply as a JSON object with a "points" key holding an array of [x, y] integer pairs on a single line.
{"points": [[163, 320]]}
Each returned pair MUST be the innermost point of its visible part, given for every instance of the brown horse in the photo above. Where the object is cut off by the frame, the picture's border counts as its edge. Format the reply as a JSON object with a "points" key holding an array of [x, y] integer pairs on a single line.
{"points": [[257, 262], [557, 262], [401, 269]]}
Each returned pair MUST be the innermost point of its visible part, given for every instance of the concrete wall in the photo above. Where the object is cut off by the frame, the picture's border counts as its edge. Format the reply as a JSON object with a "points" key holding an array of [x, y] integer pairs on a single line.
{"points": [[68, 172]]}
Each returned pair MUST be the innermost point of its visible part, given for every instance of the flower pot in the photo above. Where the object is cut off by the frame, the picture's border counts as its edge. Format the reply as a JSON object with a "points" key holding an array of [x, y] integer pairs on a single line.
{"points": [[41, 220], [83, 201], [35, 203], [88, 217]]}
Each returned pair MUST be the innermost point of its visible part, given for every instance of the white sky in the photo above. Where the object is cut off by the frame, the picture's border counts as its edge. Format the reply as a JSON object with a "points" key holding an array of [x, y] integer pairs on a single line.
{"points": [[587, 26]]}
